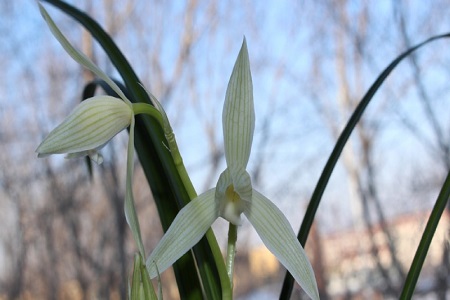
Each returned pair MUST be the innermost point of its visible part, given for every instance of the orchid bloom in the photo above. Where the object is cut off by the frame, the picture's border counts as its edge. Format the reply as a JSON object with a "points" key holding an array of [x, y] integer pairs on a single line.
{"points": [[234, 194], [92, 124], [88, 128]]}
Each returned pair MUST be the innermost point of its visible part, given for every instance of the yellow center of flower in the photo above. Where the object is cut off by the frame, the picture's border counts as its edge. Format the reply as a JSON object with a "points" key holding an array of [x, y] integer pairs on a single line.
{"points": [[231, 195], [232, 207]]}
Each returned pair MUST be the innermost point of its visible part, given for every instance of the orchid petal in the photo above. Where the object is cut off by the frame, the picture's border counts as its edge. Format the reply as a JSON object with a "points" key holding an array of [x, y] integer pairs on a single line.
{"points": [[130, 210], [278, 236], [90, 125], [189, 226], [78, 56], [238, 115], [233, 193], [94, 155]]}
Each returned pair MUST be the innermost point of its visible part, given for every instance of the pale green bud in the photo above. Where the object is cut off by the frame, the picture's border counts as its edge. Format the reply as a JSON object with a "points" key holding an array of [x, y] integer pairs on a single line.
{"points": [[89, 127]]}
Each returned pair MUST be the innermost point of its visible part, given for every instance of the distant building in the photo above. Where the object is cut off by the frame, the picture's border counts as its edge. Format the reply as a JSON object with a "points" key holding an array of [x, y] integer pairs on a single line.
{"points": [[358, 262], [355, 264]]}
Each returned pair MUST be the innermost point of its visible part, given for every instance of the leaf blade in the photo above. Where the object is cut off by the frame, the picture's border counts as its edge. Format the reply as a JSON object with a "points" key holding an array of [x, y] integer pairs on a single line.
{"points": [[316, 197]]}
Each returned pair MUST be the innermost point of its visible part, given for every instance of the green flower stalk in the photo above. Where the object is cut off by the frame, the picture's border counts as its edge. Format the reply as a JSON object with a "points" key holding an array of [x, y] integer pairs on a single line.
{"points": [[234, 195]]}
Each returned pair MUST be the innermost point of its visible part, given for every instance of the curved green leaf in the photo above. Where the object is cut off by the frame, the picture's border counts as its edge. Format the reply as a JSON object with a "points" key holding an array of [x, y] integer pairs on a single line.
{"points": [[425, 241], [332, 160]]}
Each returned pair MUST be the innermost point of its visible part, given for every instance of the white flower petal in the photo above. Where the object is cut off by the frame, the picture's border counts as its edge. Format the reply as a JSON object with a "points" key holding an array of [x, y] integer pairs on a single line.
{"points": [[238, 116], [90, 125], [79, 56], [189, 226], [233, 193], [94, 155], [278, 236]]}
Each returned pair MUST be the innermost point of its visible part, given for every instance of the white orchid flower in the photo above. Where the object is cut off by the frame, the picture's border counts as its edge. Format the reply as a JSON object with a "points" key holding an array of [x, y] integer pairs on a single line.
{"points": [[234, 194], [89, 127], [93, 123]]}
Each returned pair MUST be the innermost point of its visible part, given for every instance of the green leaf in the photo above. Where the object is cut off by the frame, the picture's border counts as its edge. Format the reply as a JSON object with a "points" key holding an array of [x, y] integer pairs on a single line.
{"points": [[427, 236], [332, 160]]}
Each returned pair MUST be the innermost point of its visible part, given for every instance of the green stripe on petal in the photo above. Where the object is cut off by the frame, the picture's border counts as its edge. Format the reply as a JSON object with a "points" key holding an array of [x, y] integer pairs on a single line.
{"points": [[89, 126], [187, 229], [278, 236], [238, 115]]}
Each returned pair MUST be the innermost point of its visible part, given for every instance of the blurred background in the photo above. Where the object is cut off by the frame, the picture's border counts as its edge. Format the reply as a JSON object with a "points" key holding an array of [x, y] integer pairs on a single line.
{"points": [[63, 234]]}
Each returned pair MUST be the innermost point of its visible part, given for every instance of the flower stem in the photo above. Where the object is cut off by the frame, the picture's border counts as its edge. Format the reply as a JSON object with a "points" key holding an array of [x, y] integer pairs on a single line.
{"points": [[160, 116], [145, 108], [231, 251], [217, 254]]}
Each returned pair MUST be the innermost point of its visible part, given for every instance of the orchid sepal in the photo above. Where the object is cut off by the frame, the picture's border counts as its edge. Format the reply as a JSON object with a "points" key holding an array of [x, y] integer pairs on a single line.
{"points": [[78, 56], [238, 116], [188, 227], [279, 237]]}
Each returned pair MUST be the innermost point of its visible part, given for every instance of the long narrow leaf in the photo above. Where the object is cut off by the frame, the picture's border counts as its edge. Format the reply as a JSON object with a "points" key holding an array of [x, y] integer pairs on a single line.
{"points": [[168, 190], [425, 241], [332, 160]]}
